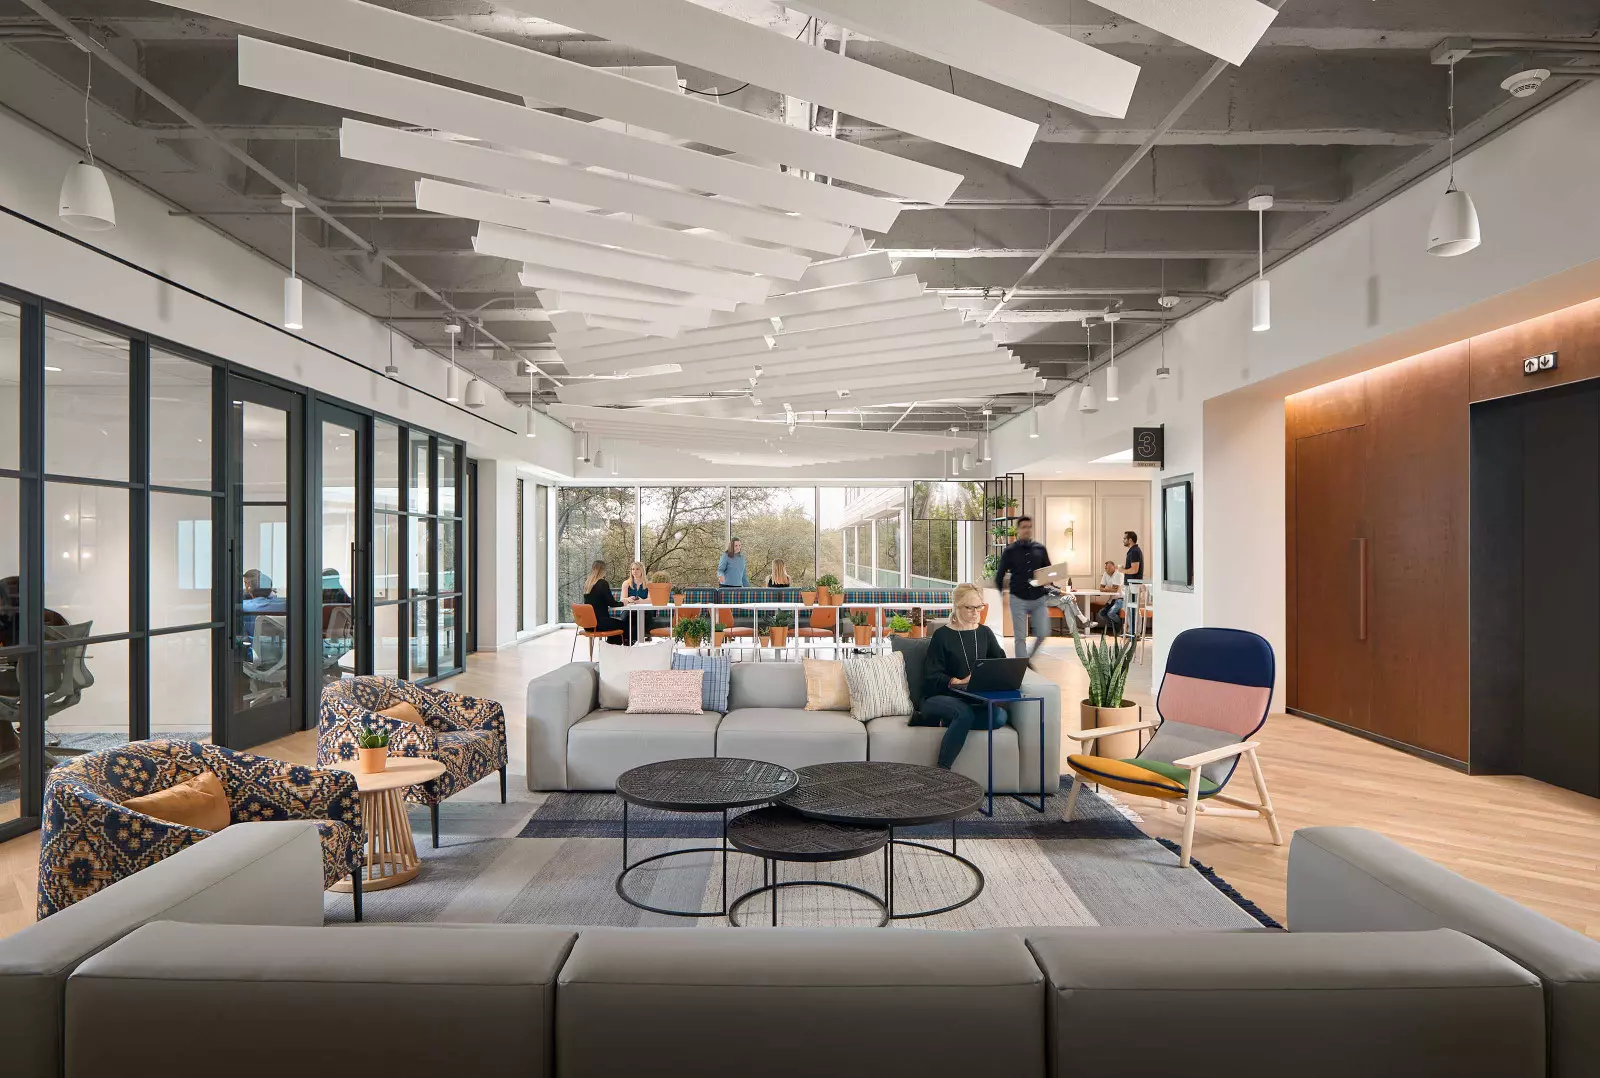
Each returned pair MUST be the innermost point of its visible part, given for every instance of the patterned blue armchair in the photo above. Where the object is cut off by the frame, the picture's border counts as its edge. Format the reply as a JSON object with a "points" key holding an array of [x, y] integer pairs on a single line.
{"points": [[90, 841], [465, 733]]}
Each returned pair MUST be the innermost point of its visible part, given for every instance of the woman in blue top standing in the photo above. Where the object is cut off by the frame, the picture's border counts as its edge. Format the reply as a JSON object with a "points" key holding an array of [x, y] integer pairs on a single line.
{"points": [[731, 572]]}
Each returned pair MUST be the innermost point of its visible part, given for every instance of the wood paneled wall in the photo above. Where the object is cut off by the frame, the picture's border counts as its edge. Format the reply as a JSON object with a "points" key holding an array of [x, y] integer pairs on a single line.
{"points": [[1398, 480]]}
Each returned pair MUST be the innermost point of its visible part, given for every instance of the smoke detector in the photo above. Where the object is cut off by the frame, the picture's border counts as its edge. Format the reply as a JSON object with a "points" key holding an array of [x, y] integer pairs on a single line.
{"points": [[1525, 83], [1167, 302]]}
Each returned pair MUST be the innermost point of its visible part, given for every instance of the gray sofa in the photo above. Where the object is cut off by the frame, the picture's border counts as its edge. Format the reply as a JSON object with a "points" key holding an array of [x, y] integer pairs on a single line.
{"points": [[575, 745], [1393, 968]]}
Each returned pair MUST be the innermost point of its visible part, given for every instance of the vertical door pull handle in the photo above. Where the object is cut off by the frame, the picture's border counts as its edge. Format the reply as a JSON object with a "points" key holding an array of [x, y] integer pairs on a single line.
{"points": [[1361, 583]]}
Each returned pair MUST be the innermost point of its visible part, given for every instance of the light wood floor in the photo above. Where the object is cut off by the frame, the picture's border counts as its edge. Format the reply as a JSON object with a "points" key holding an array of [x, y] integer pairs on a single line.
{"points": [[1532, 842]]}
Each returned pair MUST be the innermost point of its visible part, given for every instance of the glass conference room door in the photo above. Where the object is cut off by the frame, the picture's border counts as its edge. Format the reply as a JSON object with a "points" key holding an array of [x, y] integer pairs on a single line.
{"points": [[267, 600], [345, 506]]}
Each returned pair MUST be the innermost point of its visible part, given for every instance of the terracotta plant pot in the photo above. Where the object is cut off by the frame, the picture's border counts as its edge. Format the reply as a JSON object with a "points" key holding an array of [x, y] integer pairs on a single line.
{"points": [[809, 598], [822, 594], [677, 599], [691, 641], [372, 761], [835, 598], [863, 635], [659, 593], [717, 639], [918, 632], [779, 634], [1118, 746]]}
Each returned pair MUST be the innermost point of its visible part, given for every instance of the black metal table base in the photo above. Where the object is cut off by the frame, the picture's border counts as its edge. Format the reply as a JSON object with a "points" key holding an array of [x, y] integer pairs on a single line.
{"points": [[771, 885], [627, 867], [888, 866]]}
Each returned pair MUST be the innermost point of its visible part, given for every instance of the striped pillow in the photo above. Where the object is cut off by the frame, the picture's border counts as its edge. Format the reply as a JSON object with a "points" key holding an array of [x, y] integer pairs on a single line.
{"points": [[718, 670], [878, 686], [664, 692]]}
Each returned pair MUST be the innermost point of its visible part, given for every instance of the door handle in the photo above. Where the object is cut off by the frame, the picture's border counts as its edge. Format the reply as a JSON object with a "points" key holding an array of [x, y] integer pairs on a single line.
{"points": [[1361, 584]]}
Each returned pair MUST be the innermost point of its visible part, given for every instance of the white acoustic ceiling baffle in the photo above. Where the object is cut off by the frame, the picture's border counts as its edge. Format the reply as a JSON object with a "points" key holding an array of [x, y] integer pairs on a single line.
{"points": [[697, 36], [608, 262], [477, 60], [1227, 29], [431, 156], [851, 294], [531, 216], [622, 308], [564, 280], [1002, 47], [344, 85]]}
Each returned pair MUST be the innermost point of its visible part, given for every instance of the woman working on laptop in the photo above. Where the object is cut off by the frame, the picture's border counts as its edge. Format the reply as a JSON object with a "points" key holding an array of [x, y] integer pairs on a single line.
{"points": [[953, 651]]}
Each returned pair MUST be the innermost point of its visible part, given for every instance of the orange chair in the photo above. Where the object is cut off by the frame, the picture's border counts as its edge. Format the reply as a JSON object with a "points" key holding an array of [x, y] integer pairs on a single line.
{"points": [[583, 614], [726, 626], [824, 625]]}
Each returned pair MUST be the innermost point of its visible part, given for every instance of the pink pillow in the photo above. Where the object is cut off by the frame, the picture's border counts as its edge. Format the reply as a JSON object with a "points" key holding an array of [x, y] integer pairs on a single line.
{"points": [[664, 692]]}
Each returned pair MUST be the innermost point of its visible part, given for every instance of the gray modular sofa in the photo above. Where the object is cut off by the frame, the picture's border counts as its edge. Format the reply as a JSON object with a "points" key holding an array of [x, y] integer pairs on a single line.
{"points": [[575, 745], [214, 960]]}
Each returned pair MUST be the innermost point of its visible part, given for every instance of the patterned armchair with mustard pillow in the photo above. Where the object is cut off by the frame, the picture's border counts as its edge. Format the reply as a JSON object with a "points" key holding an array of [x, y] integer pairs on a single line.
{"points": [[94, 832], [467, 734]]}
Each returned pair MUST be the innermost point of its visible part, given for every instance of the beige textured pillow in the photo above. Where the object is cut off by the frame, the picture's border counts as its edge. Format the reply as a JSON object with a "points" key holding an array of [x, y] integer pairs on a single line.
{"points": [[665, 692], [825, 685], [878, 686]]}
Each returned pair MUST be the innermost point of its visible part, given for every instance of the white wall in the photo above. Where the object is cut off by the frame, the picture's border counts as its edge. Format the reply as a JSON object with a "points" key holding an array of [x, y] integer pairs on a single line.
{"points": [[1363, 296]]}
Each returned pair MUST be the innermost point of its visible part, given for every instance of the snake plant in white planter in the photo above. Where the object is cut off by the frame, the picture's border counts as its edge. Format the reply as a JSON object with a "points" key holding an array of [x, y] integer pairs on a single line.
{"points": [[1106, 661]]}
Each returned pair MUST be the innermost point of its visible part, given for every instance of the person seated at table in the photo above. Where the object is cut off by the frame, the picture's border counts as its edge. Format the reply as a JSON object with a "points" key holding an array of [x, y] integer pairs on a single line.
{"points": [[953, 651], [779, 577], [637, 590], [597, 593], [1110, 616]]}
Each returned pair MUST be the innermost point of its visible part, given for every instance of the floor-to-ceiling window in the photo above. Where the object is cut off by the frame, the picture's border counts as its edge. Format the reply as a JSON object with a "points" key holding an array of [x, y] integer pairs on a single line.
{"points": [[388, 608], [777, 523], [16, 649], [683, 532], [593, 523], [943, 520]]}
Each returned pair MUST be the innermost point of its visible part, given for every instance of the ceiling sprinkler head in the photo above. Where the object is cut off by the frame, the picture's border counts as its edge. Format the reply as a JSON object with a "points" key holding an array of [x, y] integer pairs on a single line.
{"points": [[1525, 83], [1167, 301]]}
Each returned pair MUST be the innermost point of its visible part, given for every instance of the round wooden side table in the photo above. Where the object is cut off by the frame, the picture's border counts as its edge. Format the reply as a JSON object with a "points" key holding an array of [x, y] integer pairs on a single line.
{"points": [[391, 853]]}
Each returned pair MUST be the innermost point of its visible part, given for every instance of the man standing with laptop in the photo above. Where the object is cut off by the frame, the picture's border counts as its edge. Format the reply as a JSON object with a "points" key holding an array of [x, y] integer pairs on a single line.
{"points": [[1029, 602]]}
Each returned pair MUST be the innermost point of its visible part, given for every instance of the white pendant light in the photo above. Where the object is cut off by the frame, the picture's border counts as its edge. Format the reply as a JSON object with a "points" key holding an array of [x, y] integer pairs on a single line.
{"points": [[599, 459], [1033, 418], [293, 295], [583, 447], [1111, 365], [966, 460], [475, 397], [955, 464], [1086, 402], [1163, 372], [1453, 229], [615, 464], [85, 200], [452, 382], [1261, 290], [533, 417]]}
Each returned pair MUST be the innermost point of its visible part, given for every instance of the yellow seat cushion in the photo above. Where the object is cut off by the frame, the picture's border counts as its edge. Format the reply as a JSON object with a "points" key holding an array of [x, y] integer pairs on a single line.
{"points": [[198, 802], [1132, 777]]}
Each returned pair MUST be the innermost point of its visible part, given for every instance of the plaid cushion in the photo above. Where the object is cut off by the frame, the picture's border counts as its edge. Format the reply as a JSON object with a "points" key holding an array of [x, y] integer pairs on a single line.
{"points": [[714, 686]]}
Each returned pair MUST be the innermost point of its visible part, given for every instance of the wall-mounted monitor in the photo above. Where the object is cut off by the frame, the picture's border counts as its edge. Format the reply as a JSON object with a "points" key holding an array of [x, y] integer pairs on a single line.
{"points": [[1177, 533]]}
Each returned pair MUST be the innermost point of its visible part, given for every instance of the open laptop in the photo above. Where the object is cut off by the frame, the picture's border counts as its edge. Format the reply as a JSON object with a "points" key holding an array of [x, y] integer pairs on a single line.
{"points": [[997, 675], [1057, 574]]}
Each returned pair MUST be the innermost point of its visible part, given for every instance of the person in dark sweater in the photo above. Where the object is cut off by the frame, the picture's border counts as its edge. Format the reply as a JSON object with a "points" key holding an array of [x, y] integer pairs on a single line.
{"points": [[597, 593], [953, 650], [1029, 602]]}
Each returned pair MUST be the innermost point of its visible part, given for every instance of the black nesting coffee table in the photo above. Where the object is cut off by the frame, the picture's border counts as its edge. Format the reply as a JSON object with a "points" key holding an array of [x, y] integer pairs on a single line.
{"points": [[708, 784], [779, 834], [881, 794]]}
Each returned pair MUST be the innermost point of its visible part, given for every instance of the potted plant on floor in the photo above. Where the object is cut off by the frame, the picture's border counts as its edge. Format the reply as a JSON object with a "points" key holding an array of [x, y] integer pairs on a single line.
{"points": [[1106, 661], [372, 750], [899, 625], [782, 622], [861, 619], [660, 588], [690, 631], [827, 584]]}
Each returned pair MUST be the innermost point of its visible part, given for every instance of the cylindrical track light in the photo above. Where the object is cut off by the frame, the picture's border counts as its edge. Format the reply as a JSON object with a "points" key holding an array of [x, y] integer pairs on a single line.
{"points": [[1261, 305], [532, 429], [1112, 394], [1261, 290], [293, 304], [583, 447], [453, 379]]}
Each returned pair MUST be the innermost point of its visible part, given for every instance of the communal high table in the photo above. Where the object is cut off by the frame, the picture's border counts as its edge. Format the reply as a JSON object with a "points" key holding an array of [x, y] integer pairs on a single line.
{"points": [[878, 793], [702, 784]]}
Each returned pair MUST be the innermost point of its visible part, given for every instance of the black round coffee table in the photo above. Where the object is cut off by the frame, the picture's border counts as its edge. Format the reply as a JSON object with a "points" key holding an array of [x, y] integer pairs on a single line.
{"points": [[879, 793], [779, 834], [702, 784]]}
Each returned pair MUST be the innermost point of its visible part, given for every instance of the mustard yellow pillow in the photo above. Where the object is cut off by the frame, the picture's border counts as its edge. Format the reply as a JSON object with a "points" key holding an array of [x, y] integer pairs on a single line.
{"points": [[403, 712], [825, 685], [198, 802]]}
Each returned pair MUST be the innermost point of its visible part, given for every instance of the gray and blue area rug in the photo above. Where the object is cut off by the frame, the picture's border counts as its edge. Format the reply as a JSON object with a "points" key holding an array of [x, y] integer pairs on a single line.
{"points": [[553, 859]]}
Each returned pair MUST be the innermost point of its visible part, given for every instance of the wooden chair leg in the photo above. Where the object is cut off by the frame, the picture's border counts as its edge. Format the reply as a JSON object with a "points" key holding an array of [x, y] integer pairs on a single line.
{"points": [[1072, 797], [1191, 807], [1265, 799]]}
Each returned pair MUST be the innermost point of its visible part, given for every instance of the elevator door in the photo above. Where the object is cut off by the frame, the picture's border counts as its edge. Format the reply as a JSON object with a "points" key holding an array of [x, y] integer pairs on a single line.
{"points": [[1332, 578]]}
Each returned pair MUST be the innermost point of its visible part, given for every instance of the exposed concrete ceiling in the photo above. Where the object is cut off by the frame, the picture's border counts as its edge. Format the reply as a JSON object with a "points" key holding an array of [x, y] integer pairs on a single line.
{"points": [[1339, 107]]}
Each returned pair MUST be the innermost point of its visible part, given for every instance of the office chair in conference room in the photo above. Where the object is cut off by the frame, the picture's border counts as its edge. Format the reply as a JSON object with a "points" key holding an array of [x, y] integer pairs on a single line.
{"points": [[1214, 696], [268, 665]]}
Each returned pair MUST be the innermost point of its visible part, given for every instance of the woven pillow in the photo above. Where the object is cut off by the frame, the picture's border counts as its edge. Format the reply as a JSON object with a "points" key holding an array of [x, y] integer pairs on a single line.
{"points": [[665, 692], [825, 686], [878, 686], [718, 670]]}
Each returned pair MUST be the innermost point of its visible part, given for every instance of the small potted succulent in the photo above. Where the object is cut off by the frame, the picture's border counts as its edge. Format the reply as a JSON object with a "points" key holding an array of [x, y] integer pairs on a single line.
{"points": [[690, 631], [809, 598], [660, 588], [829, 591], [372, 749], [782, 622], [862, 620], [900, 625]]}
